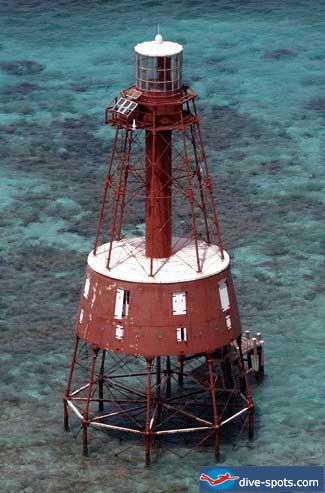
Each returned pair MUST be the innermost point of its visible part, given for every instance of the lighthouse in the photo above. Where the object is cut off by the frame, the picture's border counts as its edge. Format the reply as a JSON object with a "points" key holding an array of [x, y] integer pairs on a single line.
{"points": [[159, 349]]}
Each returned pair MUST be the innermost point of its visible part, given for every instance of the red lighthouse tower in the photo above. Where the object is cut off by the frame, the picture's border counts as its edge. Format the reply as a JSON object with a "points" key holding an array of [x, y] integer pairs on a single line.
{"points": [[158, 329]]}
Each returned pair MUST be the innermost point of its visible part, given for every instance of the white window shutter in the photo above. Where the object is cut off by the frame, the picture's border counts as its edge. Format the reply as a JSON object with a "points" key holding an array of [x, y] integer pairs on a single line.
{"points": [[181, 334], [224, 296], [126, 301], [179, 303], [86, 289], [118, 312], [119, 332]]}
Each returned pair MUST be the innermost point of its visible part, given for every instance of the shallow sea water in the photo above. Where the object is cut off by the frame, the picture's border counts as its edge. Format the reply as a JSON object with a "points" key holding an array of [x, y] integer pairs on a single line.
{"points": [[259, 70]]}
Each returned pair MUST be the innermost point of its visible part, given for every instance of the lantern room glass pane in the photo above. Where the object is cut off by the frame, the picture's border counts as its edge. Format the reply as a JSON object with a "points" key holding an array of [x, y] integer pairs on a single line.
{"points": [[158, 73]]}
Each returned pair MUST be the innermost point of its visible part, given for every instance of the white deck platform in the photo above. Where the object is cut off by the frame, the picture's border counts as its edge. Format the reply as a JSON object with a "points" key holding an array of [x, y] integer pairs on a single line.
{"points": [[129, 263]]}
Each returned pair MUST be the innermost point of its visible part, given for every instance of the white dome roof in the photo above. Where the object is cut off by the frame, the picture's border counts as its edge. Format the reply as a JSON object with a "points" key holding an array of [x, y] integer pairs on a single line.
{"points": [[158, 47]]}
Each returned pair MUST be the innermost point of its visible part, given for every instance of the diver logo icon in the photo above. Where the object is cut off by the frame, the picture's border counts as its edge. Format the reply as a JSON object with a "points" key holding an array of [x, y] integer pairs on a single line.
{"points": [[224, 478]]}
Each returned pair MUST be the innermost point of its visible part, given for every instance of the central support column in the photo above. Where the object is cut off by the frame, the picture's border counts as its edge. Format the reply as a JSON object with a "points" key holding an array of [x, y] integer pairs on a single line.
{"points": [[158, 194]]}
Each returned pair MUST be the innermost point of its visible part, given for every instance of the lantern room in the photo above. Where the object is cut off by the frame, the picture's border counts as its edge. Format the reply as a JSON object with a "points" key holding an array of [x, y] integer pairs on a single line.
{"points": [[159, 65]]}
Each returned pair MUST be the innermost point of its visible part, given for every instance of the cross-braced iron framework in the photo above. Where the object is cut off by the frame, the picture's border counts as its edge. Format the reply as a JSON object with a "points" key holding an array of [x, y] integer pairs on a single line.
{"points": [[125, 182], [160, 397]]}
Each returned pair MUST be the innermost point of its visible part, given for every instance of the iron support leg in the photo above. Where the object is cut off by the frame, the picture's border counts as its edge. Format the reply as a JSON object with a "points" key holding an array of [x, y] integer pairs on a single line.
{"points": [[85, 420], [261, 361], [68, 387], [158, 389], [248, 392], [101, 384], [168, 383], [180, 370], [148, 413], [190, 196], [214, 408]]}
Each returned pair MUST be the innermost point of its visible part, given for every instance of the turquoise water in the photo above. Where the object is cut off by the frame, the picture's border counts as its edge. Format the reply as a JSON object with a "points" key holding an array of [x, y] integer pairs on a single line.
{"points": [[259, 70]]}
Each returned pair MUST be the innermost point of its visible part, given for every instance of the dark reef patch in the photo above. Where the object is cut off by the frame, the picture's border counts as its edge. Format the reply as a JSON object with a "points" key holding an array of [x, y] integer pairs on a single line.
{"points": [[22, 67], [226, 69], [90, 85], [229, 126], [280, 54], [316, 104], [273, 167], [19, 90], [317, 57], [313, 80], [213, 60]]}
